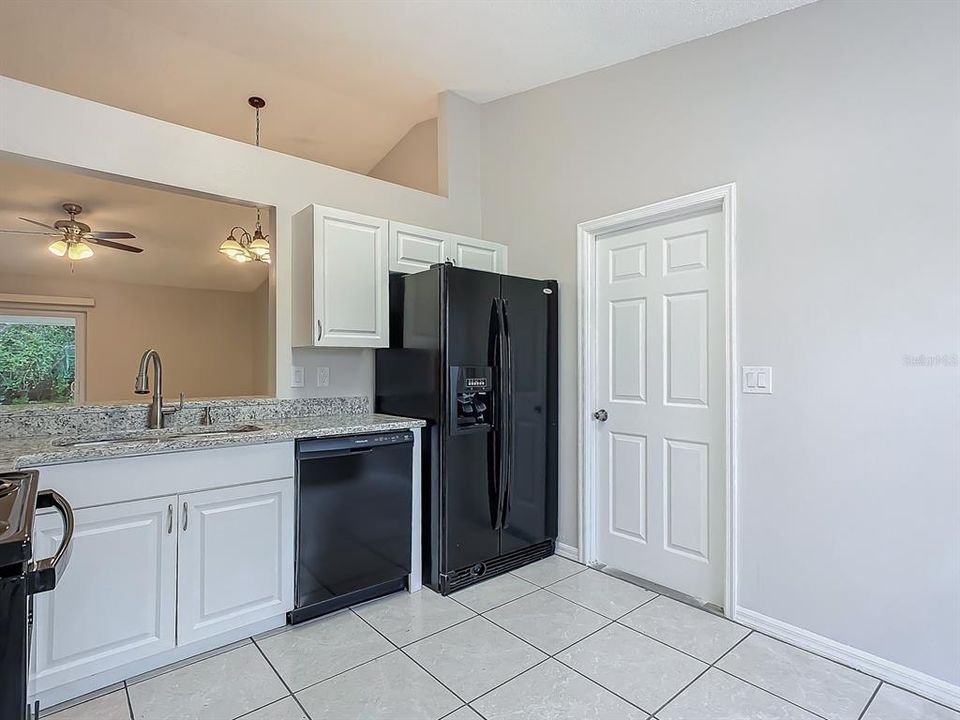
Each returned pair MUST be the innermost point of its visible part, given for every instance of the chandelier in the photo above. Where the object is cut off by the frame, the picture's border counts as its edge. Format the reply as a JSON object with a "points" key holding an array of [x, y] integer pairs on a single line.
{"points": [[240, 245]]}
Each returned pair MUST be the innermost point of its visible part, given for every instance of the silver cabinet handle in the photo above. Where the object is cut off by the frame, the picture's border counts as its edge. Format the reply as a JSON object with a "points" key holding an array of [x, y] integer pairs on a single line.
{"points": [[184, 515], [601, 415], [319, 330], [169, 518]]}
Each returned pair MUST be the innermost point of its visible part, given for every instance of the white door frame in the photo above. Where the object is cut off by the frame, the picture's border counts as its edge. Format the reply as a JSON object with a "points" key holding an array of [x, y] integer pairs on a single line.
{"points": [[723, 198]]}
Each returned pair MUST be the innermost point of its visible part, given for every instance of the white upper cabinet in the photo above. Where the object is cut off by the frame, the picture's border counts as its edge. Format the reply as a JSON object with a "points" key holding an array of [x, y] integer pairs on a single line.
{"points": [[339, 279], [480, 255], [413, 249]]}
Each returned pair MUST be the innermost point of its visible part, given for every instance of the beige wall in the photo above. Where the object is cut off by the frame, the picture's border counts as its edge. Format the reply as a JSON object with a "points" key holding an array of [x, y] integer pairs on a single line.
{"points": [[213, 343], [413, 160], [839, 123]]}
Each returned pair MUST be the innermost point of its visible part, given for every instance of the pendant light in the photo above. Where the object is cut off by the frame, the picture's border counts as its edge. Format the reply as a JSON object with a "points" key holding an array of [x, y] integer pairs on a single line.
{"points": [[241, 246]]}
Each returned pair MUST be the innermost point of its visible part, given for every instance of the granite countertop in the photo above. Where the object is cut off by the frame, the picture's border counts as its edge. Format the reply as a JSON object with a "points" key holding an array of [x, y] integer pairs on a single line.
{"points": [[27, 452]]}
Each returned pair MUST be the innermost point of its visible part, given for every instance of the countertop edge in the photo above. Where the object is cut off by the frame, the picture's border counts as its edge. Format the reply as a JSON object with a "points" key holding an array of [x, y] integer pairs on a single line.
{"points": [[301, 427]]}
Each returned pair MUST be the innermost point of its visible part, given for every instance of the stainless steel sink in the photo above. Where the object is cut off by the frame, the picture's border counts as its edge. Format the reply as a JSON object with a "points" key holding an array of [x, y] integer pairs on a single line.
{"points": [[213, 431], [195, 431]]}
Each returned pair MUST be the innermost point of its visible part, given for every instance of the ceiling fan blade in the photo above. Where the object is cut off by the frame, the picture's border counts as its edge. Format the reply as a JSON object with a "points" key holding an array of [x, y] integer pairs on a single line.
{"points": [[37, 222], [111, 244], [112, 235], [33, 232]]}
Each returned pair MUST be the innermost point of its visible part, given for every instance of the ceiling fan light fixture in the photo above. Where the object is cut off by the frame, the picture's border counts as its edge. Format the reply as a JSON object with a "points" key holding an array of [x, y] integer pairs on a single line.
{"points": [[58, 248], [79, 251]]}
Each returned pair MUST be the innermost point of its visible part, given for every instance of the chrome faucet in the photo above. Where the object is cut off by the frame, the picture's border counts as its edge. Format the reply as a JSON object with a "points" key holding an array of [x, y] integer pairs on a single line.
{"points": [[142, 387]]}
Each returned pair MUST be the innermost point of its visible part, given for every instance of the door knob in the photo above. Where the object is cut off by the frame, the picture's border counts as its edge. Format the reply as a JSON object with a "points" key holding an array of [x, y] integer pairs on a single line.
{"points": [[601, 415]]}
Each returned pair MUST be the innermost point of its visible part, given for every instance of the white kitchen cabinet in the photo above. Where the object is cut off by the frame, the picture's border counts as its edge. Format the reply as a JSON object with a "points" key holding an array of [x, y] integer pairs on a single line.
{"points": [[480, 255], [116, 601], [236, 558], [413, 249], [152, 581], [340, 274]]}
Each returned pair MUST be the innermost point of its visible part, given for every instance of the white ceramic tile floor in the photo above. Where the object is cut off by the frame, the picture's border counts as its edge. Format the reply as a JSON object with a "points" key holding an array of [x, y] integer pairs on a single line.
{"points": [[551, 641]]}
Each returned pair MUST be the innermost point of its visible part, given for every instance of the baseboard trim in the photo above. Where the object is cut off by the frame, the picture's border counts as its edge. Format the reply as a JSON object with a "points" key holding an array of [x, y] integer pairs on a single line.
{"points": [[568, 551], [930, 687]]}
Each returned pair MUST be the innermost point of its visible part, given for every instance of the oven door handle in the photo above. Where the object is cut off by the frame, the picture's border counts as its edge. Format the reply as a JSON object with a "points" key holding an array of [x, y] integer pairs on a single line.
{"points": [[44, 574]]}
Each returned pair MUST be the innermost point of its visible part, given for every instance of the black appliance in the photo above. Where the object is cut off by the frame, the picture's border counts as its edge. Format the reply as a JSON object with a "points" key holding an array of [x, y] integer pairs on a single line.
{"points": [[354, 518], [21, 579], [475, 355]]}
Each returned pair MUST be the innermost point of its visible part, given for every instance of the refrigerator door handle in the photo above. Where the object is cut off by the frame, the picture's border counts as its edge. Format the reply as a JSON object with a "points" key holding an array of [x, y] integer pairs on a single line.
{"points": [[507, 489], [503, 421]]}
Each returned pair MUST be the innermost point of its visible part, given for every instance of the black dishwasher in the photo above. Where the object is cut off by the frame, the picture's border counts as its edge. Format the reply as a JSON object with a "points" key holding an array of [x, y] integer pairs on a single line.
{"points": [[354, 520]]}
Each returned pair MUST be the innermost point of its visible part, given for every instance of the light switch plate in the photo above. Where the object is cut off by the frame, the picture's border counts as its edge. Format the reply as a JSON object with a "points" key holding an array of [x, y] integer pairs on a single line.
{"points": [[323, 377], [296, 376], [757, 379]]}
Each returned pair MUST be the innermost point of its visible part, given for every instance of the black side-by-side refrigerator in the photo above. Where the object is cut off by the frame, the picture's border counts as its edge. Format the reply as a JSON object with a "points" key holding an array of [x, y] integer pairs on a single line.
{"points": [[475, 355]]}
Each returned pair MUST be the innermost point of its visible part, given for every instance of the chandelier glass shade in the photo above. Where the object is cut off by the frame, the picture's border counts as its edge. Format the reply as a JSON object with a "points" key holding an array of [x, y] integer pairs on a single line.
{"points": [[242, 247]]}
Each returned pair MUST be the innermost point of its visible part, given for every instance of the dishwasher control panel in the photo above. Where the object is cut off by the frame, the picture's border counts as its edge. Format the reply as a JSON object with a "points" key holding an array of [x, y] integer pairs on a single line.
{"points": [[388, 439]]}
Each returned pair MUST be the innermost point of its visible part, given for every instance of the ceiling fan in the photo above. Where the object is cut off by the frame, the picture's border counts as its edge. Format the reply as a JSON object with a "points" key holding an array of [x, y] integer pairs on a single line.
{"points": [[76, 237]]}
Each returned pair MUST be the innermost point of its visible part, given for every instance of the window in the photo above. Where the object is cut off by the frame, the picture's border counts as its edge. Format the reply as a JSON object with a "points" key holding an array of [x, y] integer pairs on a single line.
{"points": [[41, 357]]}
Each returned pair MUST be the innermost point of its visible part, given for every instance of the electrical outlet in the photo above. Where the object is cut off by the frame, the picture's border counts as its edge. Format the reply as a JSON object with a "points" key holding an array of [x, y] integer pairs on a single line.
{"points": [[323, 376], [296, 376]]}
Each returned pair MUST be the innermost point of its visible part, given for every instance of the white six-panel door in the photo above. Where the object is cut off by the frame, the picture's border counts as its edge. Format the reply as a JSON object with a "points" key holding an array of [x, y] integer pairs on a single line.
{"points": [[660, 344]]}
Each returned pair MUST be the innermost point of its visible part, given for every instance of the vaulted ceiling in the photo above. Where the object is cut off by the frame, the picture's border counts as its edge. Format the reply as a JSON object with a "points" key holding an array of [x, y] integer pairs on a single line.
{"points": [[344, 80]]}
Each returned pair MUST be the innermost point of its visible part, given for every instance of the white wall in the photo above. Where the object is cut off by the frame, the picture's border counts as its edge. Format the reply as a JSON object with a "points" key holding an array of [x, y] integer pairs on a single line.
{"points": [[413, 160], [54, 127], [839, 123]]}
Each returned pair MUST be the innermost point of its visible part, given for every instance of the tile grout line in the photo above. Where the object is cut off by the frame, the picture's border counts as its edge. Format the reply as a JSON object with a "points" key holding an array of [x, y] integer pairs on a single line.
{"points": [[601, 686], [497, 687], [769, 692], [536, 588], [187, 662], [683, 652], [870, 701], [341, 672], [616, 619], [126, 691], [398, 647], [465, 705], [284, 682], [700, 674], [437, 632]]}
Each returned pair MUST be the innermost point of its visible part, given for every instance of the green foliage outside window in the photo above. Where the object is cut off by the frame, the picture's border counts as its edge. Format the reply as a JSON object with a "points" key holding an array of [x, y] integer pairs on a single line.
{"points": [[37, 363]]}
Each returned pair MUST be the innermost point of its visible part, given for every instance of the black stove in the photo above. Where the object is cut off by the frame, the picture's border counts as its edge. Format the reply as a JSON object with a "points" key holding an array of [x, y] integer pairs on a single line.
{"points": [[21, 578]]}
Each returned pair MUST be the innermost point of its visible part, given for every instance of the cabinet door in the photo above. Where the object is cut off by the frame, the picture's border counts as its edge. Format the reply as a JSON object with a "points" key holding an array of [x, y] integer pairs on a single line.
{"points": [[350, 279], [116, 600], [235, 558], [413, 249], [480, 255]]}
